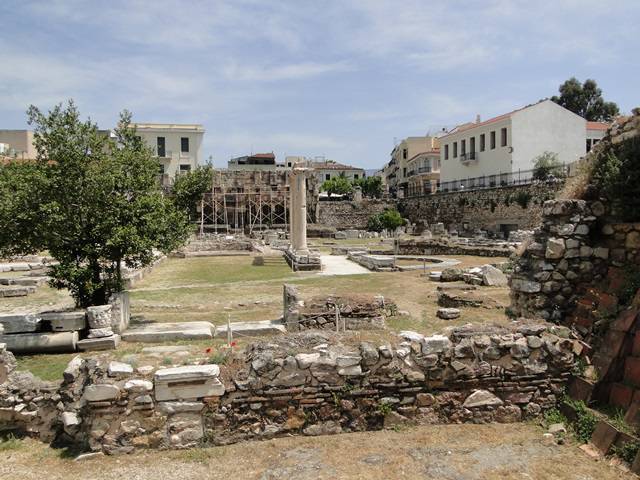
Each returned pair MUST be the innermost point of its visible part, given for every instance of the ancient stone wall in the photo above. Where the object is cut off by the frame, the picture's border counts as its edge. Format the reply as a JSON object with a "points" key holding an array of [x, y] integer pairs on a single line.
{"points": [[350, 215], [310, 383], [442, 247], [487, 209]]}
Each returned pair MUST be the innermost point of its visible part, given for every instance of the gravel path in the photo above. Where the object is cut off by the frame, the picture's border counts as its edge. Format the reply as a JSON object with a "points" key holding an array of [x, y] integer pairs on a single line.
{"points": [[340, 265]]}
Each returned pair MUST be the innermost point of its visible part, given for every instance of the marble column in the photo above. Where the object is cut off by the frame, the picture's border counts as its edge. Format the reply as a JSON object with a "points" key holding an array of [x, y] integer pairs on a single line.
{"points": [[298, 211]]}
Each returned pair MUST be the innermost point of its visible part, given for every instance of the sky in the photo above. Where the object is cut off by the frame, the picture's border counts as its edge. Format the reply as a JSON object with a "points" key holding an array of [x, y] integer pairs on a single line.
{"points": [[345, 79]]}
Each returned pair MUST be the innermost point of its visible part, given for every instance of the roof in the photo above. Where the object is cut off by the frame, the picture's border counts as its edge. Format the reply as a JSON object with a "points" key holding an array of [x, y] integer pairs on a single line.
{"points": [[332, 166], [263, 155], [169, 126], [597, 125]]}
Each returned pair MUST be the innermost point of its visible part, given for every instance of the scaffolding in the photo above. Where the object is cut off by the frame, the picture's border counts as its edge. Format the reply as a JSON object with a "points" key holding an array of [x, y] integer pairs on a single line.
{"points": [[246, 201]]}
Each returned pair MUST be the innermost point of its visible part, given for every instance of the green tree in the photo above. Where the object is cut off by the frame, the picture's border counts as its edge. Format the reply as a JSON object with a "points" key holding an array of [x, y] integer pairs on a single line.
{"points": [[370, 186], [390, 219], [337, 186], [546, 166], [188, 188], [585, 99], [91, 200]]}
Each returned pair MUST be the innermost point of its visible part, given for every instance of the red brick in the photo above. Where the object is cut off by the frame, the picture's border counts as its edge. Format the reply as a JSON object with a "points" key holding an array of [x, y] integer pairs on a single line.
{"points": [[632, 417], [581, 389], [625, 320], [616, 279], [607, 303], [620, 395], [635, 350], [604, 436], [632, 370]]}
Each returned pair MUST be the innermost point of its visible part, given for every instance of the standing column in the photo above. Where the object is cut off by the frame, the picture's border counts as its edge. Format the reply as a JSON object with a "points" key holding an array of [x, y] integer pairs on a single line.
{"points": [[301, 212], [292, 207]]}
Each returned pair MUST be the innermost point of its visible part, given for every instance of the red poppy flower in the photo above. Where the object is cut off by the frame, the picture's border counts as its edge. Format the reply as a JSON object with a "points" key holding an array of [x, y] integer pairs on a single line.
{"points": [[208, 350], [233, 344]]}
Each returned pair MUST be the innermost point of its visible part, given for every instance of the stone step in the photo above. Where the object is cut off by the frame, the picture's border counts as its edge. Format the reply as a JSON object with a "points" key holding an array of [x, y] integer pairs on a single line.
{"points": [[160, 332], [251, 329]]}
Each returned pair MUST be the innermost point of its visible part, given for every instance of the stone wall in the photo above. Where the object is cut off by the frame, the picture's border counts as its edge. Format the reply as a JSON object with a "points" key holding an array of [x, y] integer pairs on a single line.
{"points": [[310, 383], [336, 312], [443, 247], [350, 215], [487, 209]]}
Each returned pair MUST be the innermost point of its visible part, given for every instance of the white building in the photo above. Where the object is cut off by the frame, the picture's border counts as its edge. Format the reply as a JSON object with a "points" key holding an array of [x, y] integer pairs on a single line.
{"points": [[502, 150], [595, 133], [177, 146], [18, 144]]}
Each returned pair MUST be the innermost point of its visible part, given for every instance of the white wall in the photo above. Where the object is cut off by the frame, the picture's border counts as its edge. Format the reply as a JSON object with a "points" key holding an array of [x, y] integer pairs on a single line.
{"points": [[172, 147], [546, 126], [489, 162]]}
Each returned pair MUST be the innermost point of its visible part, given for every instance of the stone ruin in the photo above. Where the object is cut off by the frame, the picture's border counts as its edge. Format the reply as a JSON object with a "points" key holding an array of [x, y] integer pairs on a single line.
{"points": [[310, 383], [33, 269], [336, 312], [94, 328]]}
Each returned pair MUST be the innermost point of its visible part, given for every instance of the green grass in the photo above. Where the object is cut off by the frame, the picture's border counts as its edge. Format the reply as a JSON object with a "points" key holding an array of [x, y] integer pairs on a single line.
{"points": [[46, 367], [10, 443]]}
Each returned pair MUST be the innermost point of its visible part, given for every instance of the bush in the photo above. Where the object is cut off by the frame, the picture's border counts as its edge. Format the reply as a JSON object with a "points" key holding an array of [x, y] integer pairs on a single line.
{"points": [[522, 199], [337, 186], [586, 420], [189, 187], [547, 166], [389, 220], [616, 174], [371, 186]]}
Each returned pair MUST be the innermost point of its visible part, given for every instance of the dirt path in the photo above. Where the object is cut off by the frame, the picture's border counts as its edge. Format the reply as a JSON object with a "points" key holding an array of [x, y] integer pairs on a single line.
{"points": [[447, 452], [340, 265]]}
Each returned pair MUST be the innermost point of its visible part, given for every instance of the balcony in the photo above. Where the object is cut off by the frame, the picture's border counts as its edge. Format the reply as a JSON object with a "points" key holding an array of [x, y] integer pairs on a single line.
{"points": [[470, 157]]}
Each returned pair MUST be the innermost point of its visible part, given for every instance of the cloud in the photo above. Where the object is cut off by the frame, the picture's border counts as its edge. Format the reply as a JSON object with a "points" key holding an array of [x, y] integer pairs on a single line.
{"points": [[237, 72]]}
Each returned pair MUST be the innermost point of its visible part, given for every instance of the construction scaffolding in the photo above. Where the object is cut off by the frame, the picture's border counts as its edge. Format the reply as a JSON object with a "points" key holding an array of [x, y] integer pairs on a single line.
{"points": [[245, 201]]}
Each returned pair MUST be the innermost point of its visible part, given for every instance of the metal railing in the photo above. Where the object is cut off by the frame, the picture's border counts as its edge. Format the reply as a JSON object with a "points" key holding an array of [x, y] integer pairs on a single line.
{"points": [[500, 179]]}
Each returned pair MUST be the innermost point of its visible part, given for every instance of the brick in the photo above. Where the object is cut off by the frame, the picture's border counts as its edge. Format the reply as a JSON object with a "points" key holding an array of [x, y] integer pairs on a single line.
{"points": [[625, 320], [616, 279], [632, 371], [581, 389], [621, 395], [604, 436], [632, 417], [635, 349]]}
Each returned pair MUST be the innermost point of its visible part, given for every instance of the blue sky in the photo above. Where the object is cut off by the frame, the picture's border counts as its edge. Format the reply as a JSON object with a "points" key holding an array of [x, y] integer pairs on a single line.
{"points": [[310, 77]]}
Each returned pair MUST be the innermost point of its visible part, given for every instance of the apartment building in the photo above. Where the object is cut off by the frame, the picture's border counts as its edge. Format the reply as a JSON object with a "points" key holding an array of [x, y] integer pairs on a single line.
{"points": [[499, 150], [595, 132], [328, 169], [178, 147], [18, 144], [396, 172], [255, 162], [423, 177]]}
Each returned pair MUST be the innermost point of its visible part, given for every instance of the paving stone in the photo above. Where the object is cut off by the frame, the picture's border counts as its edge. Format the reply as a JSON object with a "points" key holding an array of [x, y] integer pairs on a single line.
{"points": [[162, 332], [97, 344]]}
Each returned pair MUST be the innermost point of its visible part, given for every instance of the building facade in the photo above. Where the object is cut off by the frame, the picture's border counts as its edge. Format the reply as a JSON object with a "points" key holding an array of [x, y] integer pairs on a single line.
{"points": [[328, 169], [256, 162], [423, 177], [396, 173], [502, 150], [178, 147], [595, 133], [18, 144]]}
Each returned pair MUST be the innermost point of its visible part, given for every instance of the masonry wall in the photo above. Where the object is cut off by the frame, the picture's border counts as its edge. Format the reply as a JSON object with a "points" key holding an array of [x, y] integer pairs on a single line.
{"points": [[350, 215], [310, 383], [486, 209]]}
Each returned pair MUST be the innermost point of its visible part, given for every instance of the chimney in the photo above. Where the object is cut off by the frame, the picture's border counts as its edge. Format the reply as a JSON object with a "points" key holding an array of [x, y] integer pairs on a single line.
{"points": [[478, 118]]}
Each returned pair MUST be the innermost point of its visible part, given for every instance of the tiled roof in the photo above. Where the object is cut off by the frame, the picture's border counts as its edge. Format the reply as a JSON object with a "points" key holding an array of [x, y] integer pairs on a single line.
{"points": [[597, 125], [332, 166], [263, 155]]}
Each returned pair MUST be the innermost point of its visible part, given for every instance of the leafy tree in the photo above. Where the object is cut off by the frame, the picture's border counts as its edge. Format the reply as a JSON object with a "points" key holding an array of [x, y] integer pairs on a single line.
{"points": [[585, 99], [371, 186], [189, 187], [390, 219], [546, 166], [91, 200], [337, 186]]}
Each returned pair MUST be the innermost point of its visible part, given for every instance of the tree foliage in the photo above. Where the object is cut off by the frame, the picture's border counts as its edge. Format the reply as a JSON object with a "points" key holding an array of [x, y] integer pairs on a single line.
{"points": [[370, 186], [339, 185], [585, 99], [547, 166], [92, 201], [389, 220], [616, 173], [188, 188]]}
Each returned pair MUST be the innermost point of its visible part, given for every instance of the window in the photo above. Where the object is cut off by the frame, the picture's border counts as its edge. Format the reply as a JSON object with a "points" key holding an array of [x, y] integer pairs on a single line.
{"points": [[463, 147], [446, 152], [185, 168], [588, 144], [472, 144], [503, 137], [327, 176], [455, 149], [184, 144], [160, 169], [482, 143], [405, 153], [160, 142], [492, 139], [355, 176]]}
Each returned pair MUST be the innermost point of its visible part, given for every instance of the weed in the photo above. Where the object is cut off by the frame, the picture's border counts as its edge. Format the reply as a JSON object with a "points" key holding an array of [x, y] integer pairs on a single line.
{"points": [[628, 451], [384, 409], [586, 420], [10, 443], [167, 361], [196, 455], [554, 416]]}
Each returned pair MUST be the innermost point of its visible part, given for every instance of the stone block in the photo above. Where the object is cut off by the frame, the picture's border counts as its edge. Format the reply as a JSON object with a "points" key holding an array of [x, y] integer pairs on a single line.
{"points": [[435, 344], [632, 371], [117, 369], [101, 392], [555, 248], [160, 332], [189, 382], [482, 398], [620, 395], [448, 313], [97, 344], [604, 436], [20, 323], [66, 321]]}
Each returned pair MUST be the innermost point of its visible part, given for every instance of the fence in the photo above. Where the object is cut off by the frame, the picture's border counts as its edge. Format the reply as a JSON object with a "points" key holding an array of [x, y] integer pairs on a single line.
{"points": [[520, 177]]}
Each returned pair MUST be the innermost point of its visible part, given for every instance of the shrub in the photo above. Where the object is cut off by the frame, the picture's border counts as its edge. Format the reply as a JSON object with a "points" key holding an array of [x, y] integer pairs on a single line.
{"points": [[628, 451], [522, 199], [547, 166], [390, 219], [337, 186], [586, 420], [616, 174]]}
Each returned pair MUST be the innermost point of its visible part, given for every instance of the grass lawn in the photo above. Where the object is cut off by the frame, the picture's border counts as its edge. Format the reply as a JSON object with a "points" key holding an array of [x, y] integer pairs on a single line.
{"points": [[42, 298]]}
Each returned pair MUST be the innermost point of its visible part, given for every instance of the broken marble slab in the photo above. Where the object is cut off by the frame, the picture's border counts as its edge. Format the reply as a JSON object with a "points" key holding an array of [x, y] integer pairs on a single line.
{"points": [[20, 323], [162, 332], [188, 382], [68, 321]]}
